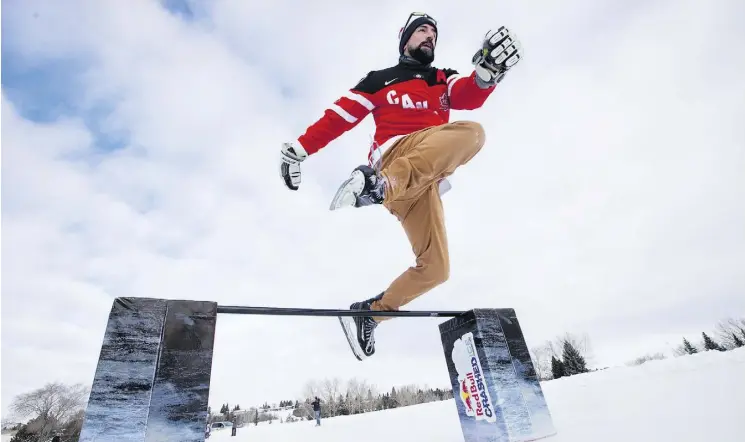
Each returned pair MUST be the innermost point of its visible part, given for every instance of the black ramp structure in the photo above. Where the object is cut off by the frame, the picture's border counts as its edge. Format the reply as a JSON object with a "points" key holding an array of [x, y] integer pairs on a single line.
{"points": [[153, 374], [495, 386], [181, 386]]}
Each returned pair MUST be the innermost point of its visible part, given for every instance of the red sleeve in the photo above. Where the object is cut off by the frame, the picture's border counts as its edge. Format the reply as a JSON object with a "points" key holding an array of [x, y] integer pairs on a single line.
{"points": [[464, 93], [343, 114]]}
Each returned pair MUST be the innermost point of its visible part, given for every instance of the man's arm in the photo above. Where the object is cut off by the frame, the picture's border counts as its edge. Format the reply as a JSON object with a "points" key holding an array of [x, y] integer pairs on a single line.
{"points": [[466, 93], [344, 114]]}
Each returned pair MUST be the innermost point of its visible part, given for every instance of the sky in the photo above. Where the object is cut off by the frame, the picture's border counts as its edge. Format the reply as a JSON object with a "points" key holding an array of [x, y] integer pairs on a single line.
{"points": [[140, 157]]}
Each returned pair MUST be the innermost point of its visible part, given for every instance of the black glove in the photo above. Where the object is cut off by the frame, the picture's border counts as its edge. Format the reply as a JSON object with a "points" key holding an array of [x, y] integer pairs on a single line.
{"points": [[500, 51], [292, 155]]}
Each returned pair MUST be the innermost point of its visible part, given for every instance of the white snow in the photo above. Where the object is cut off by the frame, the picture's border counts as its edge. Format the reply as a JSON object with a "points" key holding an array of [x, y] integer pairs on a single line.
{"points": [[697, 398]]}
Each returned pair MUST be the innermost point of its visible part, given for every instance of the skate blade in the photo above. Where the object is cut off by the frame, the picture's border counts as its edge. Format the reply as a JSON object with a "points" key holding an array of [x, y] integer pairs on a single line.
{"points": [[345, 196], [347, 324]]}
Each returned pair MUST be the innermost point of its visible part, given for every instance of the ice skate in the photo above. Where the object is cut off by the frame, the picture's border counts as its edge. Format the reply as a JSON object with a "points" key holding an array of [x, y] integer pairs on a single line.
{"points": [[360, 330], [364, 187]]}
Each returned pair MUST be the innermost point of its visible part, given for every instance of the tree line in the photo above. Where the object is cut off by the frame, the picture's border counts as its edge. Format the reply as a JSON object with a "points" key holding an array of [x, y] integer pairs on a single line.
{"points": [[355, 396], [567, 355], [729, 335], [570, 354], [338, 398]]}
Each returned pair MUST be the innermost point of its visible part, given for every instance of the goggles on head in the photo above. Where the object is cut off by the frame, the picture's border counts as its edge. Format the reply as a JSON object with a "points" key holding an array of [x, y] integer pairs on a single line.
{"points": [[413, 16]]}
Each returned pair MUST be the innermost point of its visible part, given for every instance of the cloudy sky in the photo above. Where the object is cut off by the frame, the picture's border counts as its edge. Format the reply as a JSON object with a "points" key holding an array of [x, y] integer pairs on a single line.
{"points": [[140, 148]]}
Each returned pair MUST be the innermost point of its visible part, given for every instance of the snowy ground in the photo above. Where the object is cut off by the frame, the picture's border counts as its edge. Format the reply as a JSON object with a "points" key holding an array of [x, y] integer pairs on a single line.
{"points": [[697, 398]]}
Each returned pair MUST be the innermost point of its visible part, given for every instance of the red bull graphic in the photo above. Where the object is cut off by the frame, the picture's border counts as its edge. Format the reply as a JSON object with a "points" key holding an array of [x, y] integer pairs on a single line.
{"points": [[473, 390], [465, 396]]}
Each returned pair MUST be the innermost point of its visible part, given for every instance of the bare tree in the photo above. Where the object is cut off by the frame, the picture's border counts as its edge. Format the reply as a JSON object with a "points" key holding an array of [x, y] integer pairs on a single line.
{"points": [[312, 389], [51, 406], [357, 395], [407, 395], [680, 350], [646, 358], [330, 391], [541, 356], [727, 329], [368, 395]]}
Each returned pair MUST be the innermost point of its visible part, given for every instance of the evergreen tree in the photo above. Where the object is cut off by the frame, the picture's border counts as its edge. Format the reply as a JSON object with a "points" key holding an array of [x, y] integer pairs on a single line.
{"points": [[574, 362], [690, 349], [24, 435], [393, 399], [342, 405], [557, 368], [738, 342], [709, 343]]}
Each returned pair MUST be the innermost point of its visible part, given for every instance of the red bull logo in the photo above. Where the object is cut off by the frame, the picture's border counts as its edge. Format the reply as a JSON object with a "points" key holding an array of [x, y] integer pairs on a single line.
{"points": [[465, 396], [474, 394]]}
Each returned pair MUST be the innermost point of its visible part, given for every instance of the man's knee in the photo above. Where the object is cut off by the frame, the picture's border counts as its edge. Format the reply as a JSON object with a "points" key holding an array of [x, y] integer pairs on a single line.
{"points": [[474, 133], [437, 272]]}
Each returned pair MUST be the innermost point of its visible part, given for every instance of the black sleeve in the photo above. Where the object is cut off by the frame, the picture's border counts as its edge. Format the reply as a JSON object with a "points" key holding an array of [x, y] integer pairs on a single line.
{"points": [[450, 72], [370, 83]]}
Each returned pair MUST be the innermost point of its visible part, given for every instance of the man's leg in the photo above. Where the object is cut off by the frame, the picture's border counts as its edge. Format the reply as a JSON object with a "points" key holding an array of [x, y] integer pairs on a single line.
{"points": [[414, 162], [412, 169], [424, 223], [427, 156]]}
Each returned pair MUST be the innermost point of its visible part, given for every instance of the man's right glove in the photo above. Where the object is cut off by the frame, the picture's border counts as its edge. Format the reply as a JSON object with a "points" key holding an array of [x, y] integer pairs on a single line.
{"points": [[500, 51], [292, 155]]}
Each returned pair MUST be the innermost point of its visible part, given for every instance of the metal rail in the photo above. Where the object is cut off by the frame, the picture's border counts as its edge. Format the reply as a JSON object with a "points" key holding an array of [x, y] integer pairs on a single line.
{"points": [[289, 311]]}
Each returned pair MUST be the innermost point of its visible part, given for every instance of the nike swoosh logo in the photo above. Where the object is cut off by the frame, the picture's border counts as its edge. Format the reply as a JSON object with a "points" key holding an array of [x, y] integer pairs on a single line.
{"points": [[390, 81]]}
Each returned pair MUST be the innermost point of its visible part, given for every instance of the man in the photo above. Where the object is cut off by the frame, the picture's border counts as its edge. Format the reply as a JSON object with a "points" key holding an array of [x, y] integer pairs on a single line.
{"points": [[317, 410], [415, 149]]}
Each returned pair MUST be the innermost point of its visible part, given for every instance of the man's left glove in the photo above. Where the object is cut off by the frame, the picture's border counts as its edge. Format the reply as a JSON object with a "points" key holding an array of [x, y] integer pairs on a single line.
{"points": [[500, 51], [292, 155]]}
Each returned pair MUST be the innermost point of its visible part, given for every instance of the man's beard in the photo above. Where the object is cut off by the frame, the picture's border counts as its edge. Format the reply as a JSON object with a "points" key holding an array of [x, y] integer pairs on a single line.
{"points": [[425, 56]]}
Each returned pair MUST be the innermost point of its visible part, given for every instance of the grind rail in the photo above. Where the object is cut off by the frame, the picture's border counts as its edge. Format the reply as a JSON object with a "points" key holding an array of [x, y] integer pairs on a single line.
{"points": [[291, 311]]}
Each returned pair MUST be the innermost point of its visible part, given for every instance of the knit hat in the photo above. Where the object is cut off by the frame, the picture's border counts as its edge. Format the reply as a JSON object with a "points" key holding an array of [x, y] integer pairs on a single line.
{"points": [[415, 20]]}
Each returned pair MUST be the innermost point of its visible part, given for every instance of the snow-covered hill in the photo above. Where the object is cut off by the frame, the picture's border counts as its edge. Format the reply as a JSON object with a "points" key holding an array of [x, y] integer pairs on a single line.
{"points": [[698, 398]]}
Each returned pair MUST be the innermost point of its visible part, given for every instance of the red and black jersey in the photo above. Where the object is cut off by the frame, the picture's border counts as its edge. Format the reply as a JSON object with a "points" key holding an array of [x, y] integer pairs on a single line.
{"points": [[403, 99]]}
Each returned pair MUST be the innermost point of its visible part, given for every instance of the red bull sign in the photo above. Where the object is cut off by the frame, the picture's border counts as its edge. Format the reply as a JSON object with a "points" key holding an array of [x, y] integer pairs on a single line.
{"points": [[473, 391]]}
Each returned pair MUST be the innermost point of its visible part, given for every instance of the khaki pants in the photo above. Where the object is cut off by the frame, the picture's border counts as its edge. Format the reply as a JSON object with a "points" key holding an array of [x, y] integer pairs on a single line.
{"points": [[413, 167]]}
